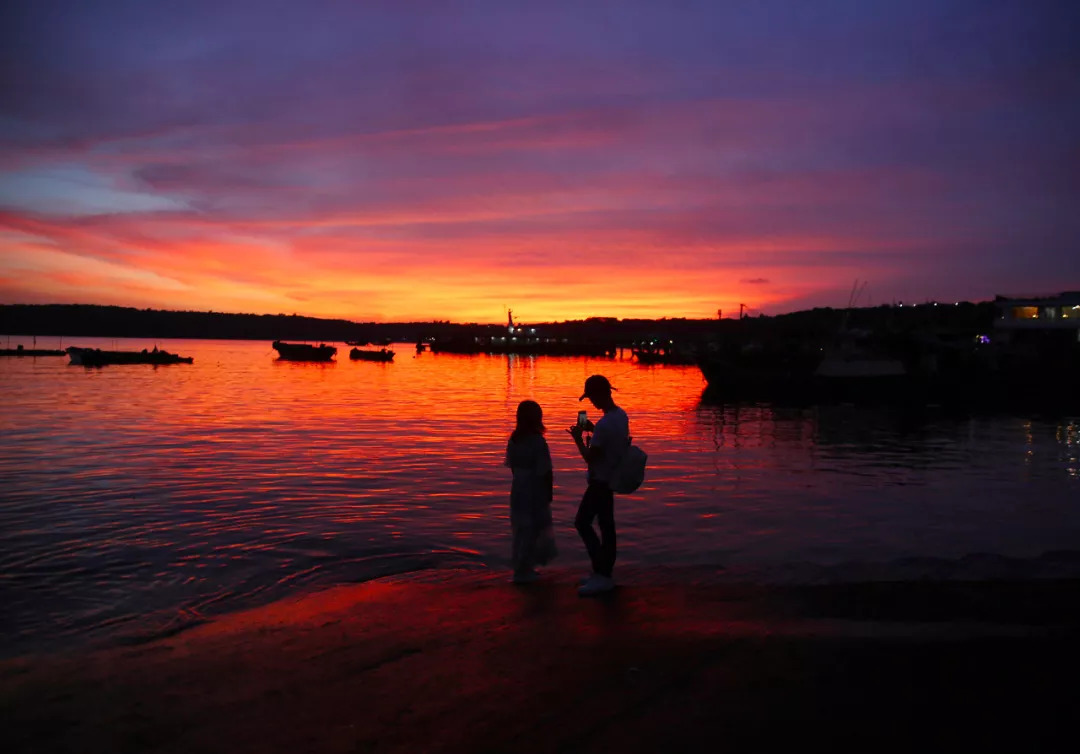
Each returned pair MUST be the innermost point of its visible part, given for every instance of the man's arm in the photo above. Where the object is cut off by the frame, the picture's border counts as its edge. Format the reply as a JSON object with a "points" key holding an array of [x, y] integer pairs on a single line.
{"points": [[590, 452]]}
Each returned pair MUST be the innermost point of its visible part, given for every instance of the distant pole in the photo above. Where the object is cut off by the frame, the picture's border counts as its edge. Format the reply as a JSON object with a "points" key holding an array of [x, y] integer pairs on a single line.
{"points": [[719, 314], [741, 307], [851, 296]]}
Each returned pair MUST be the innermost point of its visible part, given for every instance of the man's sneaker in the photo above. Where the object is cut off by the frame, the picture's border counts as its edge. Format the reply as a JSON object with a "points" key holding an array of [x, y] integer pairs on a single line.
{"points": [[525, 578], [596, 585], [586, 578]]}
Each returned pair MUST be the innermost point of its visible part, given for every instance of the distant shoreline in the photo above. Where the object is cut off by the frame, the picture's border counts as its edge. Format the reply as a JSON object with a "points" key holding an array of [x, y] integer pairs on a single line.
{"points": [[90, 320]]}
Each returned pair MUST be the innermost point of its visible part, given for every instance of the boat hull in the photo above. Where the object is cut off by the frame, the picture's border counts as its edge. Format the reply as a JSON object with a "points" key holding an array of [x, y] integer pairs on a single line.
{"points": [[358, 355], [304, 351], [95, 357], [968, 385]]}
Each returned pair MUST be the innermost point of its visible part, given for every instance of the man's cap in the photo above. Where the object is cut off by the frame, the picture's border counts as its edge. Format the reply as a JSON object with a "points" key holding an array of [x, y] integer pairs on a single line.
{"points": [[597, 382]]}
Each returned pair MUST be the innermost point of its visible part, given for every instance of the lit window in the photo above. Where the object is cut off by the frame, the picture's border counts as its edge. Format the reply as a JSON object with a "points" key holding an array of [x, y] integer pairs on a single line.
{"points": [[1025, 312]]}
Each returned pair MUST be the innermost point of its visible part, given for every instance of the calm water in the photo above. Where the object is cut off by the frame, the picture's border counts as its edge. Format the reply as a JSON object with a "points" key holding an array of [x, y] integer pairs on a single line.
{"points": [[136, 499]]}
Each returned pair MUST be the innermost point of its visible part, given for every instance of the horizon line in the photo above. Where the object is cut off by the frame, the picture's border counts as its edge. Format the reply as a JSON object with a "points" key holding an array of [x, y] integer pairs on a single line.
{"points": [[894, 304]]}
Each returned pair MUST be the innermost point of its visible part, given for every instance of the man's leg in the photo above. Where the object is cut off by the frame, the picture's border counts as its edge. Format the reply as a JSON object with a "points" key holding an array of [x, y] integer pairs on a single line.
{"points": [[605, 512], [583, 523]]}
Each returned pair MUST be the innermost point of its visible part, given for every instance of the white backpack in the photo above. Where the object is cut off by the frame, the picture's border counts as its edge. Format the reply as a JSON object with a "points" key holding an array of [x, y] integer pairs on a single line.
{"points": [[630, 472]]}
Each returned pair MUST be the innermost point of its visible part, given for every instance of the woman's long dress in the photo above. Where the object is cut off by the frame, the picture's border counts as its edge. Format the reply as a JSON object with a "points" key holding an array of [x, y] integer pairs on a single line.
{"points": [[530, 502]]}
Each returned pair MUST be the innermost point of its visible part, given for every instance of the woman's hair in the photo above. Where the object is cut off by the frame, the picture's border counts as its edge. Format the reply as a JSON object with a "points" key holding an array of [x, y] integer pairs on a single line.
{"points": [[530, 420]]}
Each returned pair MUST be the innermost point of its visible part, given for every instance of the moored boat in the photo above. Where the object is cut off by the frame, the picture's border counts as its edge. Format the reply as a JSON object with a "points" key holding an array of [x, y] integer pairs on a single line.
{"points": [[382, 354], [856, 376], [901, 371], [95, 357], [304, 351], [847, 371]]}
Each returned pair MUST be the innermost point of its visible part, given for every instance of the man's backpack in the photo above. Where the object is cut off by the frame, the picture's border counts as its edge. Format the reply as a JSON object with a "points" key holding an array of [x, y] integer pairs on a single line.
{"points": [[630, 472]]}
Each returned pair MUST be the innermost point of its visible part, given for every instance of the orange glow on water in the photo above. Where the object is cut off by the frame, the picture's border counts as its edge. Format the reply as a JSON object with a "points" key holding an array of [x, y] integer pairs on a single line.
{"points": [[239, 478]]}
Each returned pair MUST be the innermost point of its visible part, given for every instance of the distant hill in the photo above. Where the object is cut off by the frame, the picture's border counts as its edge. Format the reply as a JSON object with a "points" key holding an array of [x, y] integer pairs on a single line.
{"points": [[122, 322], [74, 320]]}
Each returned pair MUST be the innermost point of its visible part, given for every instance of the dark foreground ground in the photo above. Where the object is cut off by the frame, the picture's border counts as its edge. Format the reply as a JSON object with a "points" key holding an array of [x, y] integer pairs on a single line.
{"points": [[460, 663]]}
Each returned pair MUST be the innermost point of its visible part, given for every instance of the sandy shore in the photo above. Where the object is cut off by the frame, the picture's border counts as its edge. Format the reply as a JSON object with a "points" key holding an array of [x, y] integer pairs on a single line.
{"points": [[459, 662]]}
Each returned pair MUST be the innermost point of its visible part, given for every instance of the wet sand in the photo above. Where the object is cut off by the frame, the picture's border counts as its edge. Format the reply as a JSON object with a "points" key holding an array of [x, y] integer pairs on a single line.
{"points": [[460, 662]]}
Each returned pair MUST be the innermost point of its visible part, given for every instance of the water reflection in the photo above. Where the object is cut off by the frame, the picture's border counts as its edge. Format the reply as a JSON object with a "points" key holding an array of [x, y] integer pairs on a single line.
{"points": [[879, 437], [135, 495], [732, 426]]}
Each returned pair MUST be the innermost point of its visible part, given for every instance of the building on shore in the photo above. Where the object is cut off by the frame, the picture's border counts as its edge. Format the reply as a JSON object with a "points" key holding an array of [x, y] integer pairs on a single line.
{"points": [[1043, 319]]}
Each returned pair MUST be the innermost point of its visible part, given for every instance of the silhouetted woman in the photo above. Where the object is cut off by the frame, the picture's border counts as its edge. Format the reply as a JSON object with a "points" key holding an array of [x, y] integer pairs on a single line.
{"points": [[528, 457]]}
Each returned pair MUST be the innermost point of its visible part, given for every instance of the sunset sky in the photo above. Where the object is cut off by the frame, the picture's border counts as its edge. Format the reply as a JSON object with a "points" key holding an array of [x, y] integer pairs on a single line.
{"points": [[419, 160]]}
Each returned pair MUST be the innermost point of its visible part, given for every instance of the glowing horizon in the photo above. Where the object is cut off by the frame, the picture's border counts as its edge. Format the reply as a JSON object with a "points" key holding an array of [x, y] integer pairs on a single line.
{"points": [[376, 164]]}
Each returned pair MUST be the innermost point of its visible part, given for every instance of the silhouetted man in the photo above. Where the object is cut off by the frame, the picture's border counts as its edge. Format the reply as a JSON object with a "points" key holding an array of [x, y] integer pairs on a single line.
{"points": [[610, 437]]}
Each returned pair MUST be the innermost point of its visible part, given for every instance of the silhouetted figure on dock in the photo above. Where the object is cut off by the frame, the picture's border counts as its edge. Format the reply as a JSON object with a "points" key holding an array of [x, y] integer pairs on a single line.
{"points": [[529, 458], [610, 437]]}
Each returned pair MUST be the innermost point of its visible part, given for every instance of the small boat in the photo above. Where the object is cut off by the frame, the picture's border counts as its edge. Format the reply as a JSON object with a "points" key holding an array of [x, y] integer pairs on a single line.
{"points": [[304, 351], [855, 375], [95, 357], [381, 355]]}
